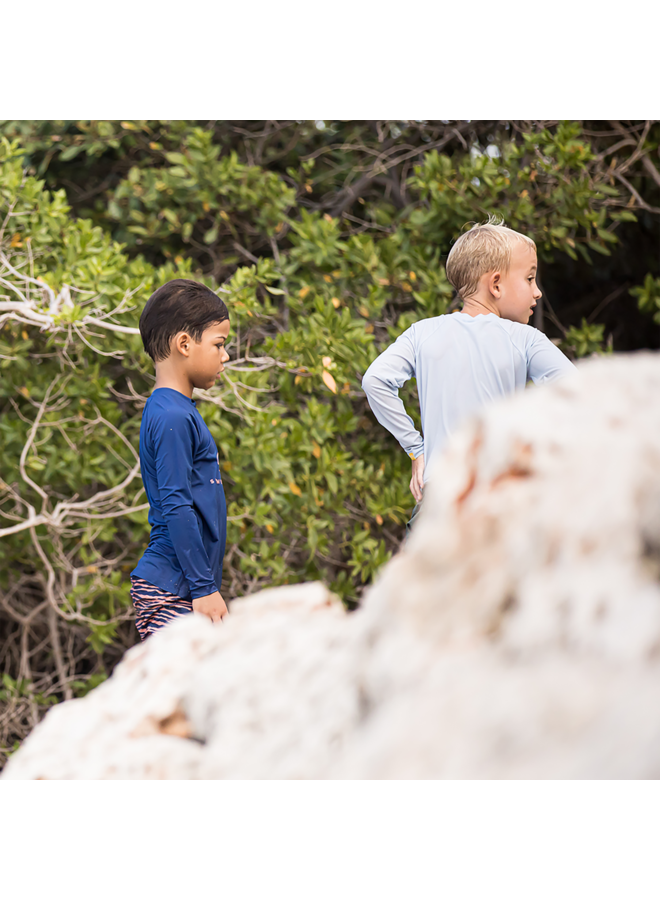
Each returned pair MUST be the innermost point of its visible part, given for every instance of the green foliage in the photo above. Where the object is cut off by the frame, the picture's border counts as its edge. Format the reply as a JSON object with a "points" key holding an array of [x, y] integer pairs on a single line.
{"points": [[585, 340], [13, 688], [542, 187], [193, 195], [333, 293], [82, 688], [648, 296], [320, 281], [299, 463]]}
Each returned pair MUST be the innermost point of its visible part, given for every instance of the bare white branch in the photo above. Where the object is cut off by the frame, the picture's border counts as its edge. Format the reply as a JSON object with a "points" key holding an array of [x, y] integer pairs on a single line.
{"points": [[30, 439], [28, 278]]}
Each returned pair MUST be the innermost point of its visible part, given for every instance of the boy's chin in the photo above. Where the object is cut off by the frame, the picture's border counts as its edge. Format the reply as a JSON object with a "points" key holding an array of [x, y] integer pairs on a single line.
{"points": [[208, 383]]}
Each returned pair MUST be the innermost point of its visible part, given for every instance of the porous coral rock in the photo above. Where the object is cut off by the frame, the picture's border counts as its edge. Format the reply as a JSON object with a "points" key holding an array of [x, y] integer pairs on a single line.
{"points": [[198, 700]]}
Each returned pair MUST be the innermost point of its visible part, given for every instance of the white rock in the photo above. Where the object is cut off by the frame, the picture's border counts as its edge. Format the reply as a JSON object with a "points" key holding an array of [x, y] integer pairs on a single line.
{"points": [[517, 635], [198, 700]]}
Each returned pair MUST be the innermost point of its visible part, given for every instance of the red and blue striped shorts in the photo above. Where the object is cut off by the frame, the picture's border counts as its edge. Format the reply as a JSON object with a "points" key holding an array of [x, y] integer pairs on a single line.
{"points": [[155, 607]]}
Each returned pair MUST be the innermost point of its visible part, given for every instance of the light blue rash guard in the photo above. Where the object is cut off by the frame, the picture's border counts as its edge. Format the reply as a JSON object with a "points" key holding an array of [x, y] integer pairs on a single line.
{"points": [[187, 509], [461, 363]]}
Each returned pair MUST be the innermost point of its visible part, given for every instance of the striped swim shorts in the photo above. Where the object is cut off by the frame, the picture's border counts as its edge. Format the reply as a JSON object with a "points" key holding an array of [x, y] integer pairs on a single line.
{"points": [[155, 607]]}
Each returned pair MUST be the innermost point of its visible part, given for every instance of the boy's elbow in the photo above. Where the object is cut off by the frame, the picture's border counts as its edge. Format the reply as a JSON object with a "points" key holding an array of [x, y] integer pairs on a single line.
{"points": [[176, 508], [367, 383], [371, 383]]}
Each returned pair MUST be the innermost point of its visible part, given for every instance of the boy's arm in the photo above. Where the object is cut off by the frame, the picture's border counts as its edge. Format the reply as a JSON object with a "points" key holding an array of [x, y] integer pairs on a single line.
{"points": [[173, 444], [545, 361], [381, 384]]}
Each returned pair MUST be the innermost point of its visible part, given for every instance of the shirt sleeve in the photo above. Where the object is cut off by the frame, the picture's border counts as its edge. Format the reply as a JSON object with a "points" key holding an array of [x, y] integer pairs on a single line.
{"points": [[381, 384], [174, 441], [545, 361]]}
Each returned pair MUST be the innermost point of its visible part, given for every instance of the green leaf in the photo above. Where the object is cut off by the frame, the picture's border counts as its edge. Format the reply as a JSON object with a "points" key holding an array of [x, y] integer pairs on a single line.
{"points": [[171, 217], [624, 215], [607, 235], [607, 189], [70, 153], [176, 158]]}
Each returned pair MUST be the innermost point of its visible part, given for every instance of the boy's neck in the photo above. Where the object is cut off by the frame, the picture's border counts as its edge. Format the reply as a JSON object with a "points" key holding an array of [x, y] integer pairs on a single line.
{"points": [[170, 377], [480, 304]]}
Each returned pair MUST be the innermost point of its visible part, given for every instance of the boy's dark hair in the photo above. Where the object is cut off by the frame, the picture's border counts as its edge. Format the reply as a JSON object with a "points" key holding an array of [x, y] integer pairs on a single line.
{"points": [[179, 305]]}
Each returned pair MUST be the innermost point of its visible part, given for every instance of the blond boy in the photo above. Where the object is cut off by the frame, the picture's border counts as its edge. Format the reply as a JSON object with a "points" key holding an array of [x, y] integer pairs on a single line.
{"points": [[469, 358]]}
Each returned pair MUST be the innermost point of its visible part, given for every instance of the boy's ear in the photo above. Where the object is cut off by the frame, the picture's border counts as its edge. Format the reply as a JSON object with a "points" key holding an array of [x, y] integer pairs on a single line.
{"points": [[182, 342], [495, 284]]}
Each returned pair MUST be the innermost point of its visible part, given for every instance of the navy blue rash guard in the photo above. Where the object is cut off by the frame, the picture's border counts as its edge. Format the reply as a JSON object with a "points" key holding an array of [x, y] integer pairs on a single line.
{"points": [[187, 509]]}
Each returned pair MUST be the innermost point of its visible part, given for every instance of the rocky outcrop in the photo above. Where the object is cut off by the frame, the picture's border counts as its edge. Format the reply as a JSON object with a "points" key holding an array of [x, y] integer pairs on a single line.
{"points": [[269, 692], [516, 635]]}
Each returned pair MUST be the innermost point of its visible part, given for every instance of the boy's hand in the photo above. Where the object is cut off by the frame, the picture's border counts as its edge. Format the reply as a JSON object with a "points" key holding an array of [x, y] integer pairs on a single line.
{"points": [[417, 480], [212, 606]]}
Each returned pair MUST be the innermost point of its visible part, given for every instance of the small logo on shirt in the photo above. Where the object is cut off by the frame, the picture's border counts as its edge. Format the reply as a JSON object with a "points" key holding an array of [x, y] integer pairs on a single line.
{"points": [[217, 480]]}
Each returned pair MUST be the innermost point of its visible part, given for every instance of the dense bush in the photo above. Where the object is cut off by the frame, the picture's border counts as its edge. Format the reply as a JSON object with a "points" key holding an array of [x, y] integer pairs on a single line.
{"points": [[330, 239]]}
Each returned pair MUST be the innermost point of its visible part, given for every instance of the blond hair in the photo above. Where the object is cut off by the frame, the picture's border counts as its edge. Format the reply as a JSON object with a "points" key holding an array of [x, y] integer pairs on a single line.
{"points": [[484, 248]]}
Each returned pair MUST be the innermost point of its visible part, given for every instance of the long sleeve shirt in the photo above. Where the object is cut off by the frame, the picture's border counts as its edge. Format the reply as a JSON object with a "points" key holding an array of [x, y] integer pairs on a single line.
{"points": [[187, 509], [461, 362]]}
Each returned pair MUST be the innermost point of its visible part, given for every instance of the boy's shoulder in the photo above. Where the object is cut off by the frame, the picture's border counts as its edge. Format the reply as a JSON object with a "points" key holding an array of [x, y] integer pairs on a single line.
{"points": [[423, 329], [428, 325], [521, 330], [168, 406]]}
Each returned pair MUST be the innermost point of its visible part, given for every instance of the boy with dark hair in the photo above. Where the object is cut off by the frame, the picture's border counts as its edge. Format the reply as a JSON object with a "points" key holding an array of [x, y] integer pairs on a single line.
{"points": [[184, 328]]}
